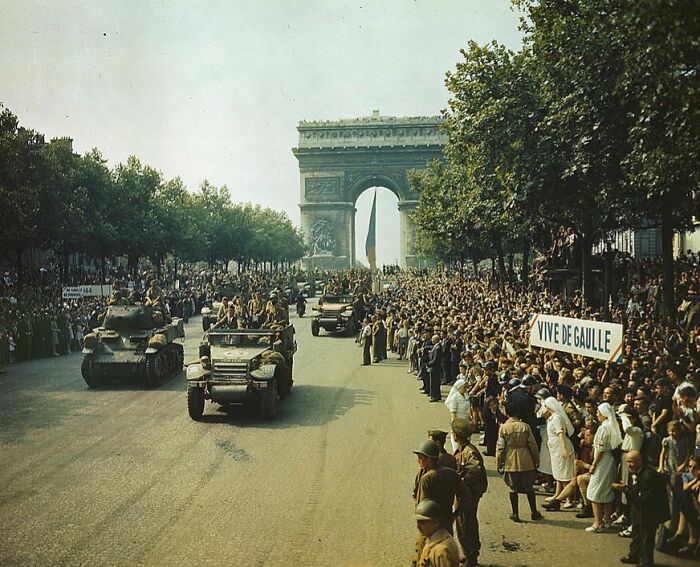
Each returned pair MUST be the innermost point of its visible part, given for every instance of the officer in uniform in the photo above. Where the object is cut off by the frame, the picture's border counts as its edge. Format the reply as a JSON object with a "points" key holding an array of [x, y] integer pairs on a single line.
{"points": [[440, 548], [471, 469]]}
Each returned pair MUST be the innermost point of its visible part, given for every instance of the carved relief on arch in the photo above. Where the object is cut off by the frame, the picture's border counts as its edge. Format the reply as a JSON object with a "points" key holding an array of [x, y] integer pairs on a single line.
{"points": [[322, 188]]}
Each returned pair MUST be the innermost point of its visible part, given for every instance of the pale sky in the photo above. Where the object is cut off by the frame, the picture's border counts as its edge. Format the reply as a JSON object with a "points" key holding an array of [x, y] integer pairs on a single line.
{"points": [[214, 90]]}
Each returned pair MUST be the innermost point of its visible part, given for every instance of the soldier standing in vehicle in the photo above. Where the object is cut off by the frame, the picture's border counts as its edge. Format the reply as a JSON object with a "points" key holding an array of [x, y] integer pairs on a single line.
{"points": [[223, 308], [119, 296]]}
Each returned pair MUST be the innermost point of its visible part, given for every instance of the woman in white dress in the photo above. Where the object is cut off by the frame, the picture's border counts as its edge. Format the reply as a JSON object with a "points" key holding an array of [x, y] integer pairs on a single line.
{"points": [[600, 491], [561, 450], [457, 403]]}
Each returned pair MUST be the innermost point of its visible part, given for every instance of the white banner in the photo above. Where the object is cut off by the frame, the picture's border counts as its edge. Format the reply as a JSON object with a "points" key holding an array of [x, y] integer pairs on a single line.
{"points": [[594, 339], [86, 291]]}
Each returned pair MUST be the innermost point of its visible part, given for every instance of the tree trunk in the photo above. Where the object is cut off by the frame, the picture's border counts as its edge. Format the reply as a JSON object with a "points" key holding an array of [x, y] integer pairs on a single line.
{"points": [[475, 264], [668, 304], [525, 271], [511, 268], [586, 268], [18, 266], [174, 269], [501, 260], [102, 261]]}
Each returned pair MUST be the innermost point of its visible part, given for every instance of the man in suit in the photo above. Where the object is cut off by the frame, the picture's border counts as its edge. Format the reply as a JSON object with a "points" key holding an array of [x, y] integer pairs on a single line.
{"points": [[649, 506], [435, 369], [365, 339]]}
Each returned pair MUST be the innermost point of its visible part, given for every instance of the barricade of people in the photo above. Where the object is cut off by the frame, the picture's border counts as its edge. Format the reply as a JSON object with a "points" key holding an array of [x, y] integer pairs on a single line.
{"points": [[617, 443]]}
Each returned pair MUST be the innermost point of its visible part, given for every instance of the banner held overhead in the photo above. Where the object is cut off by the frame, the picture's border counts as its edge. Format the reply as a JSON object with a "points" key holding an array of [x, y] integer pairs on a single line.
{"points": [[595, 339]]}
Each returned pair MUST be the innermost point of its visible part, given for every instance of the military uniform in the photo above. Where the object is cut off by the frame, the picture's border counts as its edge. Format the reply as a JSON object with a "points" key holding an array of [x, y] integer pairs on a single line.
{"points": [[119, 297], [154, 296], [470, 468], [443, 486], [440, 550]]}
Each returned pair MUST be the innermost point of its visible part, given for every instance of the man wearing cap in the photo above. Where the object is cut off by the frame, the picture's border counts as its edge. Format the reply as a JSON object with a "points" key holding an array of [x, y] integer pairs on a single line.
{"points": [[439, 548], [440, 484], [525, 405], [439, 437], [471, 469]]}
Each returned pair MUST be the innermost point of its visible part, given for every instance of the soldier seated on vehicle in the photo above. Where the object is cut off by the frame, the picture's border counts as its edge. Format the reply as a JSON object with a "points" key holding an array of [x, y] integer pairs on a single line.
{"points": [[119, 295], [154, 295], [277, 316], [229, 321]]}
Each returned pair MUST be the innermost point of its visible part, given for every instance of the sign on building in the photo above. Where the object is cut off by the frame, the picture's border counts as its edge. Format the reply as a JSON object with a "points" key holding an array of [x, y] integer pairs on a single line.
{"points": [[595, 339]]}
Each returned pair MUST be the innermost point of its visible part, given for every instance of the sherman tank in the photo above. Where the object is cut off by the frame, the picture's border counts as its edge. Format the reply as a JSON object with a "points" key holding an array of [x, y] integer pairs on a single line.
{"points": [[134, 341]]}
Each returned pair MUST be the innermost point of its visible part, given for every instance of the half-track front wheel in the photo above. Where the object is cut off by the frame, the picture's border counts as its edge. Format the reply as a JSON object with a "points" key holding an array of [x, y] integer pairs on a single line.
{"points": [[269, 401], [87, 369], [315, 328], [195, 403]]}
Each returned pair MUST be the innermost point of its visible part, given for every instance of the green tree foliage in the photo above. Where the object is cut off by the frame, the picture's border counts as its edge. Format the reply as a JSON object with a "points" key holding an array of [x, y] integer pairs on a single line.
{"points": [[54, 199], [20, 185], [593, 125]]}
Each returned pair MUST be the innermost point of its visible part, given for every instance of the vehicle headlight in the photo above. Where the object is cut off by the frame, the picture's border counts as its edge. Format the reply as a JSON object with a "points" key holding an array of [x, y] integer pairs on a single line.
{"points": [[192, 368]]}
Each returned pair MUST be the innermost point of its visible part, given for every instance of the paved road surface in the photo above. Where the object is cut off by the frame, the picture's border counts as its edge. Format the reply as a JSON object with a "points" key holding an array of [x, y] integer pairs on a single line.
{"points": [[122, 476]]}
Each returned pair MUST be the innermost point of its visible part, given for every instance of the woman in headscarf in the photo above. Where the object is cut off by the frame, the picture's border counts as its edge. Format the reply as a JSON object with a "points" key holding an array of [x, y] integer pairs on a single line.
{"points": [[561, 449], [457, 403], [600, 492]]}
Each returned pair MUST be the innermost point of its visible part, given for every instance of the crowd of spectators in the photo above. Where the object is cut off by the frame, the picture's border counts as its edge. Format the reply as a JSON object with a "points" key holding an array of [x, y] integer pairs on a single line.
{"points": [[36, 321], [463, 333]]}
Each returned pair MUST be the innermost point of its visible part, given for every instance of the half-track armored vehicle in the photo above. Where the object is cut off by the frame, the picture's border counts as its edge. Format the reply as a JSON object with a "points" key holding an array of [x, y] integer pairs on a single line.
{"points": [[242, 366], [335, 313], [133, 341]]}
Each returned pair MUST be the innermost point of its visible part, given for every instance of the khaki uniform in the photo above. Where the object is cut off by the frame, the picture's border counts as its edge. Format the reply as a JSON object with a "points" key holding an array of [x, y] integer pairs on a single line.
{"points": [[439, 551], [471, 469], [517, 449], [154, 295], [444, 486], [446, 460], [119, 297]]}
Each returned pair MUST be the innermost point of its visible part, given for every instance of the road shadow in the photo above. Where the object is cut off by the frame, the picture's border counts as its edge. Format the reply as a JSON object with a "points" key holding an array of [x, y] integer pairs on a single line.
{"points": [[306, 406], [33, 411]]}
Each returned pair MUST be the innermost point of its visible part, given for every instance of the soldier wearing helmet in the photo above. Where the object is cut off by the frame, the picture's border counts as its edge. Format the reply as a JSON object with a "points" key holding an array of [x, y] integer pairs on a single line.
{"points": [[440, 548], [471, 469], [440, 484]]}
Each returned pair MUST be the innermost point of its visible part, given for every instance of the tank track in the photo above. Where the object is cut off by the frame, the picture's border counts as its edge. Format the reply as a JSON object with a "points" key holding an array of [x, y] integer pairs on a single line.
{"points": [[164, 364]]}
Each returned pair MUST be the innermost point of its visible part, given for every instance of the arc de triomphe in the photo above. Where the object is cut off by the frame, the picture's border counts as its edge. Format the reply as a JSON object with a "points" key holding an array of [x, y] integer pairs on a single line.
{"points": [[338, 160]]}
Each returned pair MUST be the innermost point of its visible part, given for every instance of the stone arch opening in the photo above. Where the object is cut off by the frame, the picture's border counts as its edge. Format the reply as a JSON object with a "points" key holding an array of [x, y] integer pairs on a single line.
{"points": [[387, 228], [339, 160]]}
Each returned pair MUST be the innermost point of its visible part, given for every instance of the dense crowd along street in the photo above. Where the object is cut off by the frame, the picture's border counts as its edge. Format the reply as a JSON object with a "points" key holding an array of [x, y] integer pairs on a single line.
{"points": [[464, 342]]}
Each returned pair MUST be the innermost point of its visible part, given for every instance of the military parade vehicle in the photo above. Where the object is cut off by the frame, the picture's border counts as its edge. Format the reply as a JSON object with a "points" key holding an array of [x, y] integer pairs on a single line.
{"points": [[133, 341], [242, 366], [335, 313]]}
